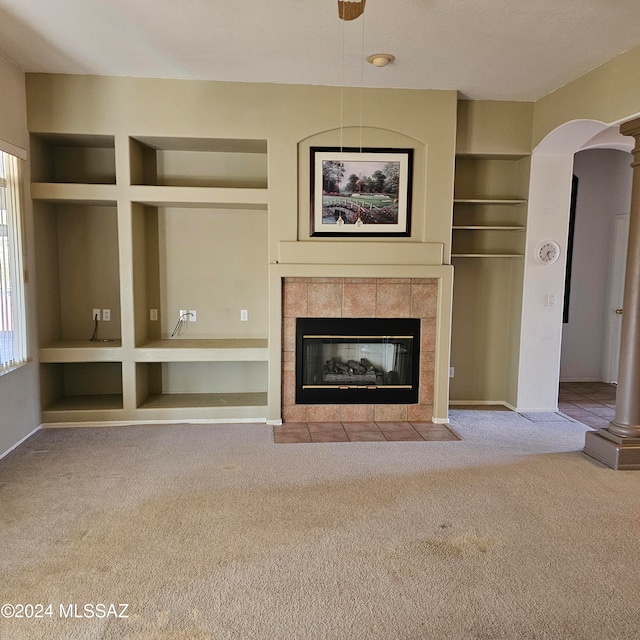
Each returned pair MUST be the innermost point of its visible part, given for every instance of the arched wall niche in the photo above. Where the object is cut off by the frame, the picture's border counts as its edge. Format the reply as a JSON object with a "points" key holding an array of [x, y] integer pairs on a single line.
{"points": [[355, 136]]}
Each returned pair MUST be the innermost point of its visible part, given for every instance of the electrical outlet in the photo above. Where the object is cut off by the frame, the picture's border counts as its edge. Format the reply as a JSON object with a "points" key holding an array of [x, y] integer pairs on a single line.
{"points": [[106, 315], [244, 315], [183, 315], [452, 372], [95, 314], [193, 315], [153, 314]]}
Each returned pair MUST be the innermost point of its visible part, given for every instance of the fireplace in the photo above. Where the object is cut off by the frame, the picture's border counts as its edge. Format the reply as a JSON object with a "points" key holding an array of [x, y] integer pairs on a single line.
{"points": [[357, 360]]}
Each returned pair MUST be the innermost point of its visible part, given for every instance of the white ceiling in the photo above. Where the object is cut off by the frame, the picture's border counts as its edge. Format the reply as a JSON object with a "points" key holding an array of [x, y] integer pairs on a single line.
{"points": [[486, 49]]}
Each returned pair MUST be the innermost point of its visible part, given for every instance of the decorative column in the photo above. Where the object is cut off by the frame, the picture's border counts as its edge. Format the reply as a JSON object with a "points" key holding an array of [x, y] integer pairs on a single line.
{"points": [[618, 446]]}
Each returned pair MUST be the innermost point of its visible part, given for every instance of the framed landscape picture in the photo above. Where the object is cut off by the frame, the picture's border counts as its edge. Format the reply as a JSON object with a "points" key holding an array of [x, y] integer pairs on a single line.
{"points": [[364, 192]]}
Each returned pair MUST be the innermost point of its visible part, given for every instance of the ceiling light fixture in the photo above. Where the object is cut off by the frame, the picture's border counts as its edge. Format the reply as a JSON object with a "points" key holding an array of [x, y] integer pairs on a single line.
{"points": [[381, 59], [350, 10]]}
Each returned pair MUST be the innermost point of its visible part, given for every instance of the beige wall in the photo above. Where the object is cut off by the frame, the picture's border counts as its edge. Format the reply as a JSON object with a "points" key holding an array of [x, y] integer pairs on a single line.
{"points": [[610, 93], [20, 410], [285, 119], [284, 115], [13, 118], [488, 126]]}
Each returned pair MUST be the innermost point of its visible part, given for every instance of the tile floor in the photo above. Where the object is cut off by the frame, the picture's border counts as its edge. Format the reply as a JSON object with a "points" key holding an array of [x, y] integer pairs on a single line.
{"points": [[592, 403], [300, 432]]}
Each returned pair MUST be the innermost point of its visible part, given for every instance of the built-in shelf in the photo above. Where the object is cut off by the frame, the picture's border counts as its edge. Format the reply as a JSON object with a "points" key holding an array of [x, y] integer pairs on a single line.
{"points": [[191, 214], [484, 227], [489, 214], [489, 240], [488, 246], [82, 351], [71, 390], [209, 350], [73, 158], [487, 255], [203, 400], [208, 197], [84, 403], [77, 257], [204, 407], [489, 201], [95, 194], [198, 162]]}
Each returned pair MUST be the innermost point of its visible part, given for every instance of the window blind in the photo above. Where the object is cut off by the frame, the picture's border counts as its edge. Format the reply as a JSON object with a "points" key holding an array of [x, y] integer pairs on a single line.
{"points": [[13, 333]]}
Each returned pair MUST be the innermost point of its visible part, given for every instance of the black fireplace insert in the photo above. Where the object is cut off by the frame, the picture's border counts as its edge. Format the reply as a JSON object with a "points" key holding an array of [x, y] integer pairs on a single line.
{"points": [[357, 360]]}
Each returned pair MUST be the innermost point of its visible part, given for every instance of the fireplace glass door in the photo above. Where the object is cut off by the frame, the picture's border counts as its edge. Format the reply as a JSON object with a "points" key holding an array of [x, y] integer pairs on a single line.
{"points": [[357, 360]]}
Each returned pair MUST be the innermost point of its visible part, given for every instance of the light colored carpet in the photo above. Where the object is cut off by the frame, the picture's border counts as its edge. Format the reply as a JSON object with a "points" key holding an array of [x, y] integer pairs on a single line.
{"points": [[212, 531]]}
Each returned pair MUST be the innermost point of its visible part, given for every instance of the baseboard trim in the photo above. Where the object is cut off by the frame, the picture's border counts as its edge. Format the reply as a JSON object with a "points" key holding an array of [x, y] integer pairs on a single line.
{"points": [[440, 420], [478, 403], [17, 444], [134, 423]]}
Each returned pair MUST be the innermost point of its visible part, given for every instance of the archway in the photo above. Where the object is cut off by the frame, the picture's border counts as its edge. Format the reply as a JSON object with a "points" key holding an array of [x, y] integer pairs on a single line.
{"points": [[549, 205]]}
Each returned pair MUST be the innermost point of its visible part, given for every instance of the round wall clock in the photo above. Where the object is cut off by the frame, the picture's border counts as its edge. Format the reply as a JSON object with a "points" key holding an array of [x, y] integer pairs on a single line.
{"points": [[547, 252]]}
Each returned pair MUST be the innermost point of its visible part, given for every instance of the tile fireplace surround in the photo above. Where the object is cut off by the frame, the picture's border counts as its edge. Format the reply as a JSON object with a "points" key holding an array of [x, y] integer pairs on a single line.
{"points": [[359, 298]]}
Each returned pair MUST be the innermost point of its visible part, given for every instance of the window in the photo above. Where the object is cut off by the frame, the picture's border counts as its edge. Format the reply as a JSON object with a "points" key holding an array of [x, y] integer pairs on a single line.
{"points": [[13, 335]]}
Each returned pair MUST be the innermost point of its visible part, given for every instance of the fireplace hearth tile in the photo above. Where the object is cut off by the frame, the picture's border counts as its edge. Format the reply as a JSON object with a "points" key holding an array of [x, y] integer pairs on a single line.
{"points": [[294, 413], [390, 412], [393, 301], [356, 412], [295, 300], [424, 300], [426, 387], [399, 431], [323, 413], [325, 432], [428, 337], [289, 334], [359, 300], [420, 412], [363, 432], [367, 436], [289, 361], [360, 426], [325, 300], [288, 387], [346, 296], [292, 433]]}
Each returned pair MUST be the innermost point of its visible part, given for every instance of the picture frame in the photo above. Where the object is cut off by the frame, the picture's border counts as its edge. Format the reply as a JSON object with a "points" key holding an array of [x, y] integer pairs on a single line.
{"points": [[360, 192]]}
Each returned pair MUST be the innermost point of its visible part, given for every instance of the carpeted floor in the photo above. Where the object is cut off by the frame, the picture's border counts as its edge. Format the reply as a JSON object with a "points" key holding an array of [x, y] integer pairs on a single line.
{"points": [[213, 531]]}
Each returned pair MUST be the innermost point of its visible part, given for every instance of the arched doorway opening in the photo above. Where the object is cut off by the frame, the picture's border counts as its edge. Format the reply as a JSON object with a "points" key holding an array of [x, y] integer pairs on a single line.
{"points": [[549, 205]]}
